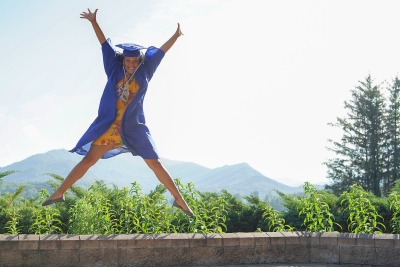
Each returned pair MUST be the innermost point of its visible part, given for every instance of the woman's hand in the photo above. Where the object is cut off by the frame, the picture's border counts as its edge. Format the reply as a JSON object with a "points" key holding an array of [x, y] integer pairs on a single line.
{"points": [[92, 18], [178, 31], [89, 16], [168, 44]]}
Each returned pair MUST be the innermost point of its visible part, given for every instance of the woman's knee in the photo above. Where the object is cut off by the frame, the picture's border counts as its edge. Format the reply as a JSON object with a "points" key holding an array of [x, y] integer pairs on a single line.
{"points": [[89, 160], [94, 154], [153, 164]]}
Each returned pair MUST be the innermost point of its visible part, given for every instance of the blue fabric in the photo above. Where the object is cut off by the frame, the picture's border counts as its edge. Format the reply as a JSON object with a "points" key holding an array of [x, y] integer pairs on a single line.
{"points": [[127, 53], [130, 50], [134, 132]]}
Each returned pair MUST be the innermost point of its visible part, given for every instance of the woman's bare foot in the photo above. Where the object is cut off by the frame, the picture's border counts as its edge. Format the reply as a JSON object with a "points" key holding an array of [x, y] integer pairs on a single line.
{"points": [[181, 204], [52, 200]]}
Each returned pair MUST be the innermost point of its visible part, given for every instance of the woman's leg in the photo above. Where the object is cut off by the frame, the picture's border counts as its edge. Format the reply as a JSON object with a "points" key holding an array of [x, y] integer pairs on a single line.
{"points": [[94, 154], [164, 177]]}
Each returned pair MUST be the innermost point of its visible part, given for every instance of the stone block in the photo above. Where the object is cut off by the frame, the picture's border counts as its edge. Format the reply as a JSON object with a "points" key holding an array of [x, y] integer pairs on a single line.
{"points": [[162, 241], [261, 239], [365, 240], [28, 242], [16, 258], [98, 257], [88, 242], [304, 237], [135, 257], [135, 241], [69, 241], [297, 253], [396, 240], [107, 241], [179, 240], [172, 256], [197, 240], [246, 239], [329, 239], [230, 239], [59, 258], [357, 255], [239, 255], [324, 254], [291, 238], [384, 240], [386, 256], [346, 239], [314, 238], [8, 242], [209, 256], [51, 242], [214, 240], [276, 238], [270, 254]]}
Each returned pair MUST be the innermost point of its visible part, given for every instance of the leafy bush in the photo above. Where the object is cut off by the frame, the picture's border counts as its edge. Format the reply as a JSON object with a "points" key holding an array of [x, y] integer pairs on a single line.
{"points": [[276, 222], [318, 217], [109, 210], [363, 217]]}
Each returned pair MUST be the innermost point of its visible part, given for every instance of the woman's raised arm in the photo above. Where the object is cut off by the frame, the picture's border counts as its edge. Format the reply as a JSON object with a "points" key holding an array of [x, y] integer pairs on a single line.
{"points": [[92, 18], [168, 44]]}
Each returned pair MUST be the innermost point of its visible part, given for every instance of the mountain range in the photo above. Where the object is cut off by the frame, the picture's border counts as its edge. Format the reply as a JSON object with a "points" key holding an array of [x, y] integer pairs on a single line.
{"points": [[123, 169]]}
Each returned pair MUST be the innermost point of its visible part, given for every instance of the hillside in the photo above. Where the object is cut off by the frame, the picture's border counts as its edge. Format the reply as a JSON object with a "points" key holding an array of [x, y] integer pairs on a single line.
{"points": [[124, 169]]}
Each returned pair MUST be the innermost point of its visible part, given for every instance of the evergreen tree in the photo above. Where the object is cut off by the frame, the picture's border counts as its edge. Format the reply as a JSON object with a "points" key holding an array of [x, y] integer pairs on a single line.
{"points": [[360, 151], [392, 137]]}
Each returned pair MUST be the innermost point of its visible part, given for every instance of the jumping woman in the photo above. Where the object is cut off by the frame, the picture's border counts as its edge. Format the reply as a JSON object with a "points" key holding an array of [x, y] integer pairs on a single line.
{"points": [[120, 125]]}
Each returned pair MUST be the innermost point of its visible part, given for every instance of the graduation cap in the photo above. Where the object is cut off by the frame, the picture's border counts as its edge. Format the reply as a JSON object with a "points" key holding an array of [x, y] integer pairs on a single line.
{"points": [[130, 50]]}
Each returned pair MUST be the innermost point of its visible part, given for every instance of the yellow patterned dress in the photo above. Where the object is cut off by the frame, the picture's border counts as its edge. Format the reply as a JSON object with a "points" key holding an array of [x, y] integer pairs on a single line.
{"points": [[126, 91]]}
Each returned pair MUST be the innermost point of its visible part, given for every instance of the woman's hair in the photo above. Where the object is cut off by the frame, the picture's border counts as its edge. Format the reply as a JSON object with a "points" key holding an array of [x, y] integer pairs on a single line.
{"points": [[120, 57]]}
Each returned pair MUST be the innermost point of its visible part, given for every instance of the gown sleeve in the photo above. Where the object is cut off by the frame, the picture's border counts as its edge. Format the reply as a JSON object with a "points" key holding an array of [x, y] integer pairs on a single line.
{"points": [[110, 60], [153, 58]]}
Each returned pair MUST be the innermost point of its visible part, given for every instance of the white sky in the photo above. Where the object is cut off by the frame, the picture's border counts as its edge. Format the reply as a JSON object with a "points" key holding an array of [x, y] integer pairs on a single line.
{"points": [[250, 81]]}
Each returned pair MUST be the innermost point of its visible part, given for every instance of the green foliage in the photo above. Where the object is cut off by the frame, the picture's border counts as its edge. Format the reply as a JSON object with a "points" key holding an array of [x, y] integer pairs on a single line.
{"points": [[12, 224], [102, 209], [396, 187], [142, 213], [293, 206], [318, 217], [9, 209], [394, 199], [46, 220], [210, 216], [116, 211], [363, 217], [368, 154], [391, 156], [76, 190], [4, 174], [92, 213], [276, 222]]}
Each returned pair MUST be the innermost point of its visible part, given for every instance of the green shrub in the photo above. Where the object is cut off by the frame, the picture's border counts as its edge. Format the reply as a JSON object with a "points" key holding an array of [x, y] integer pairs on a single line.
{"points": [[363, 217], [318, 217]]}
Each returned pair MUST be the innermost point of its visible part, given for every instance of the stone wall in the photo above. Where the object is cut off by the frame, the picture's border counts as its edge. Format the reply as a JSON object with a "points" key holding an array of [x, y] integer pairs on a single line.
{"points": [[199, 249]]}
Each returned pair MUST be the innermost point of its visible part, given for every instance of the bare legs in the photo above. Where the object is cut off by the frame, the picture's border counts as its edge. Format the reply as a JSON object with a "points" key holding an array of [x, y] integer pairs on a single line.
{"points": [[94, 154], [164, 177]]}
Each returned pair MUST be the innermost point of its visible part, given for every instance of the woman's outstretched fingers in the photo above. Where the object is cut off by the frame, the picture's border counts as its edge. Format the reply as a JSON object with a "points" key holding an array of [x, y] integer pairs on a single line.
{"points": [[179, 30], [89, 16]]}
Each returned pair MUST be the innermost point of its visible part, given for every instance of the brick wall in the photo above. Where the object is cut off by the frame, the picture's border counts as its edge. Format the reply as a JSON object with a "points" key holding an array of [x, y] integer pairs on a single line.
{"points": [[199, 249]]}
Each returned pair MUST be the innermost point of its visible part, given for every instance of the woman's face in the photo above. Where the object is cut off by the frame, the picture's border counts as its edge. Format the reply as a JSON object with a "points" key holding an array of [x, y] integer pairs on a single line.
{"points": [[131, 64]]}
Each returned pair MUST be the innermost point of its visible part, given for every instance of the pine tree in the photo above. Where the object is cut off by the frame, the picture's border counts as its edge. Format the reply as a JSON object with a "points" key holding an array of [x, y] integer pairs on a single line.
{"points": [[360, 151], [392, 137]]}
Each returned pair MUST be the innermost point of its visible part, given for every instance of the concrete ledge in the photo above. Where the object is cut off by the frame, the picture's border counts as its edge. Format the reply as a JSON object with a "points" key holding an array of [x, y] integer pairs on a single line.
{"points": [[199, 249]]}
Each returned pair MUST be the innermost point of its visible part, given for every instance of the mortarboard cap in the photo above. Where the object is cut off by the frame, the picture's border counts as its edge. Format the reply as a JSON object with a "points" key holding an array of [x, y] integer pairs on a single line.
{"points": [[130, 50]]}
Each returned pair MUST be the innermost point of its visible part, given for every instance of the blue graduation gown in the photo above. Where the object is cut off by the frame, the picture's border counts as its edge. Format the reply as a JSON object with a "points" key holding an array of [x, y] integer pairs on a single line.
{"points": [[134, 132]]}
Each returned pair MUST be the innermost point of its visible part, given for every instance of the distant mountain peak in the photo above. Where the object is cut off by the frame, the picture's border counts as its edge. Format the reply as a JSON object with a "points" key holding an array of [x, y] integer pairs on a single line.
{"points": [[124, 169]]}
